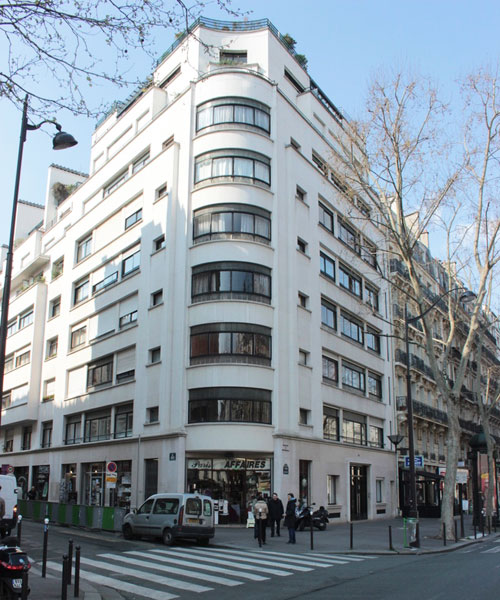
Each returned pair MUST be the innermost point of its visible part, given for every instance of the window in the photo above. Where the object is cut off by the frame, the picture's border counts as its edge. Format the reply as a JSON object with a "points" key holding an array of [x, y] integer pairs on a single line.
{"points": [[9, 363], [349, 281], [327, 266], [157, 298], [140, 162], [123, 422], [51, 348], [161, 191], [371, 297], [348, 235], [301, 245], [73, 429], [373, 340], [9, 441], [49, 388], [331, 429], [354, 428], [332, 482], [330, 369], [325, 217], [369, 253], [170, 77], [152, 414], [104, 283], [328, 314], [125, 365], [303, 357], [291, 79], [303, 300], [294, 144], [26, 438], [167, 143], [233, 57], [131, 263], [133, 218], [55, 307], [97, 427], [159, 243], [231, 342], [320, 163], [304, 416], [226, 280], [78, 336], [233, 110], [300, 194], [81, 290], [128, 319], [237, 165], [229, 404], [23, 359], [100, 372], [46, 439], [376, 438], [353, 377], [57, 268], [228, 221], [26, 319], [378, 490], [351, 328], [83, 248], [116, 183], [155, 355], [12, 327], [375, 385]]}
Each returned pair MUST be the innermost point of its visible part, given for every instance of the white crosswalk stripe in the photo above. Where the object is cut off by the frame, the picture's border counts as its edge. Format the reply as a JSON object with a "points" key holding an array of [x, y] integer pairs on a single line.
{"points": [[491, 550], [142, 572]]}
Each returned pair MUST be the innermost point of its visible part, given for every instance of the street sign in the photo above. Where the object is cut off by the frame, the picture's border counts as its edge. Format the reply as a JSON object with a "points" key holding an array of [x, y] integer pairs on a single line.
{"points": [[419, 461], [10, 469], [111, 467]]}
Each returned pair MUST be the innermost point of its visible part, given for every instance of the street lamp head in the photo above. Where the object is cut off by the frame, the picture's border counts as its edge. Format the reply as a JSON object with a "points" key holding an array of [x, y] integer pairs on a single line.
{"points": [[63, 140], [468, 296], [396, 439]]}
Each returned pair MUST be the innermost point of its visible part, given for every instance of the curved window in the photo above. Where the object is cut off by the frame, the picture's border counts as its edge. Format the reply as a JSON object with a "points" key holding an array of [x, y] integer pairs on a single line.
{"points": [[231, 280], [230, 342], [233, 110], [229, 404], [234, 164], [228, 221]]}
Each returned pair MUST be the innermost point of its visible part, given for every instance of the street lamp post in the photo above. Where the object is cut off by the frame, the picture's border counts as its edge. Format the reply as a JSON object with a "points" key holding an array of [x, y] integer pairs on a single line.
{"points": [[61, 141], [396, 439], [467, 296]]}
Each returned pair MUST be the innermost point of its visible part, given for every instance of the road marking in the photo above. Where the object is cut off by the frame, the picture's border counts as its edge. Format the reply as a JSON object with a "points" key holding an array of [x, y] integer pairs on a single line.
{"points": [[350, 557], [189, 563], [117, 584], [491, 550], [305, 559], [230, 563], [247, 557], [146, 563], [168, 581]]}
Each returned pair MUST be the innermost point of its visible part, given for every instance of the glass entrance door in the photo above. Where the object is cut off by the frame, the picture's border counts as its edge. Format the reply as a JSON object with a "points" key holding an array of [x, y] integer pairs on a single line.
{"points": [[359, 501]]}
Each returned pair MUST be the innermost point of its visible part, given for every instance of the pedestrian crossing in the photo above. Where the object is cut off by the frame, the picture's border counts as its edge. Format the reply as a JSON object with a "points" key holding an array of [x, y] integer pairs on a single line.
{"points": [[166, 574]]}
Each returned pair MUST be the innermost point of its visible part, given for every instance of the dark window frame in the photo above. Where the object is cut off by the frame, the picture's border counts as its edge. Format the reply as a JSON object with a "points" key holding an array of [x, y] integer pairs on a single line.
{"points": [[230, 405]]}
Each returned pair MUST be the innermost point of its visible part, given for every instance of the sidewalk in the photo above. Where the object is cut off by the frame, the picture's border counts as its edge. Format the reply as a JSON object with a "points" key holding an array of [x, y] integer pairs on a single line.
{"points": [[369, 537]]}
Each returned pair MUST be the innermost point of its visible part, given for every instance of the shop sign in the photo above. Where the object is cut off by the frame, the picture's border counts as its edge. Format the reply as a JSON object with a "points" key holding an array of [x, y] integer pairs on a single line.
{"points": [[172, 456], [240, 464], [111, 480], [462, 475], [199, 463]]}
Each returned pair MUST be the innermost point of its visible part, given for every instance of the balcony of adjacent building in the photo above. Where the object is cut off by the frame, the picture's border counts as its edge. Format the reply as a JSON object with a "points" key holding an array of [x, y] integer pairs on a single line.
{"points": [[423, 410], [416, 363]]}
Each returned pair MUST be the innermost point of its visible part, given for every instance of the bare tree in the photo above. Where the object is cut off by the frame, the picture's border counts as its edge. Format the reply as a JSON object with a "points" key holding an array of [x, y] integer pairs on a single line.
{"points": [[79, 44], [402, 157]]}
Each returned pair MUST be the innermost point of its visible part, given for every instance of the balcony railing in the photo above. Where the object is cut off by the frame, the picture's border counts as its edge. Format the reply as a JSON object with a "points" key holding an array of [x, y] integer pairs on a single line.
{"points": [[423, 410]]}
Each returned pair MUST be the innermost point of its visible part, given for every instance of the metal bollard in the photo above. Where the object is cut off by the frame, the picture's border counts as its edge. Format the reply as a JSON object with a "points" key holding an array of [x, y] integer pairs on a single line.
{"points": [[64, 581], [462, 530], [351, 545], [391, 547], [45, 541], [70, 560], [19, 529], [475, 532], [444, 534], [24, 585], [456, 531], [312, 528], [77, 572], [489, 525]]}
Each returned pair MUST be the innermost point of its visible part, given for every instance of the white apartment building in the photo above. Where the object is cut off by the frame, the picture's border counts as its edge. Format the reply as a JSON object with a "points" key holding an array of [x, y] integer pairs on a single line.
{"points": [[206, 308]]}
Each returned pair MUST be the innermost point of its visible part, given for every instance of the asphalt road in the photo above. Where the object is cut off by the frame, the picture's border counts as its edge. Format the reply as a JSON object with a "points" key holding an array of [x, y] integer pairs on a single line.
{"points": [[140, 569]]}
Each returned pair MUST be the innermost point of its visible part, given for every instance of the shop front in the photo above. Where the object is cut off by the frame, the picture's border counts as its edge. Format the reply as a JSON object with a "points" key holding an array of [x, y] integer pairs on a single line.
{"points": [[234, 482], [102, 488]]}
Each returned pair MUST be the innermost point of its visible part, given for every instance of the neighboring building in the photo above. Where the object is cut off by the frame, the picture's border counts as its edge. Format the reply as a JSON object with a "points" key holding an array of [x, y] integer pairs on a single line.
{"points": [[429, 409], [206, 309]]}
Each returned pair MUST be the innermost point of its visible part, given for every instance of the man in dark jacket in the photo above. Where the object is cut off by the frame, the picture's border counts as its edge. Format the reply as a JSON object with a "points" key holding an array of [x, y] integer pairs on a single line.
{"points": [[275, 514], [290, 518]]}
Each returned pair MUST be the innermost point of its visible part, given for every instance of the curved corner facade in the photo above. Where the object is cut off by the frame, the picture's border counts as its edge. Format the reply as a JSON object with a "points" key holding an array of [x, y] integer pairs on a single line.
{"points": [[208, 306]]}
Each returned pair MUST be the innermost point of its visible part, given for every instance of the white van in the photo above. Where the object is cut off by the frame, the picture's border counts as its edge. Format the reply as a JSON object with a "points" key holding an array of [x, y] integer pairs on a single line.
{"points": [[8, 491], [171, 517]]}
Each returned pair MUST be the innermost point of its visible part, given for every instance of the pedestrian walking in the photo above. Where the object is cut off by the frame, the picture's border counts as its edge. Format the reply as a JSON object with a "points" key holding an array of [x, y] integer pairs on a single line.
{"points": [[260, 512], [32, 493], [276, 512], [290, 518]]}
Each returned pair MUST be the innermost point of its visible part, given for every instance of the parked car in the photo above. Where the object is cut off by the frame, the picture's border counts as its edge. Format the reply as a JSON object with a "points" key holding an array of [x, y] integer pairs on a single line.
{"points": [[172, 517]]}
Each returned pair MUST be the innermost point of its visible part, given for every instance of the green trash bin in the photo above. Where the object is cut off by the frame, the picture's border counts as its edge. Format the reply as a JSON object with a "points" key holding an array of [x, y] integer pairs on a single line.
{"points": [[410, 532]]}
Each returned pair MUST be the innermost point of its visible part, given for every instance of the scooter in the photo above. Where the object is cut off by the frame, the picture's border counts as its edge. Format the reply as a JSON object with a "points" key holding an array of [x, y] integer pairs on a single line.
{"points": [[319, 520], [12, 562]]}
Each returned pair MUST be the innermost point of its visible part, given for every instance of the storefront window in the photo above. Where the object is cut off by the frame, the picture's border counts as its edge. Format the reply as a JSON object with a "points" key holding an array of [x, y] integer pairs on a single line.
{"points": [[120, 494], [40, 479], [93, 483], [67, 488]]}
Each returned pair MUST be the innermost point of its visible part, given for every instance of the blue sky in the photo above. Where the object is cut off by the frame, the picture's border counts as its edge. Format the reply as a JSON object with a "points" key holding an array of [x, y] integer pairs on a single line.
{"points": [[346, 42]]}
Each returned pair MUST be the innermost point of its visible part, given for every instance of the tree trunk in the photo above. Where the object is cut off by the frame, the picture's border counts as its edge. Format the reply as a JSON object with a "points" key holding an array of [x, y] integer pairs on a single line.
{"points": [[453, 448]]}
